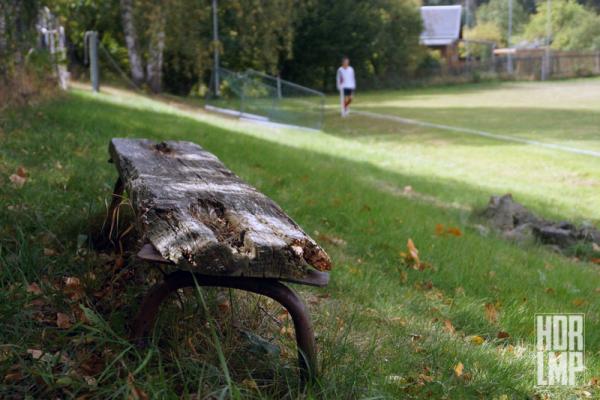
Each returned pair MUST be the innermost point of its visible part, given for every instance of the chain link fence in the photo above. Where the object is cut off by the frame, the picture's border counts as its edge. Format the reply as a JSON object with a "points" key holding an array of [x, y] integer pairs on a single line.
{"points": [[259, 96]]}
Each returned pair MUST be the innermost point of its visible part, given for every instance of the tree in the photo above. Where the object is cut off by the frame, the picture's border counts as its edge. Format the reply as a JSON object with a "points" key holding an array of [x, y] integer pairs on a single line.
{"points": [[257, 33], [496, 12], [380, 37], [131, 41], [573, 26]]}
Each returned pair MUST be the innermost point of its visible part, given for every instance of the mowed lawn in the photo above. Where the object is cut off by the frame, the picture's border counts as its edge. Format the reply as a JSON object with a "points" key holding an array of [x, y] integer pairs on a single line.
{"points": [[461, 328]]}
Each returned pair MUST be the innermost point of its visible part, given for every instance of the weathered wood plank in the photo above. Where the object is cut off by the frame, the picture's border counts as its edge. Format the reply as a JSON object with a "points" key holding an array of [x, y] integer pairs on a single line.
{"points": [[201, 216]]}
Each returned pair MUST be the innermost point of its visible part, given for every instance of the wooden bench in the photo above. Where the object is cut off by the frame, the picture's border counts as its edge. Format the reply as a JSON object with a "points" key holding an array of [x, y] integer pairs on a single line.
{"points": [[212, 229]]}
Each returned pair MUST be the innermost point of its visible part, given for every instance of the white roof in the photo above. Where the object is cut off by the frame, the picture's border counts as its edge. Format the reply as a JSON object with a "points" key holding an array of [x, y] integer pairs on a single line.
{"points": [[441, 25]]}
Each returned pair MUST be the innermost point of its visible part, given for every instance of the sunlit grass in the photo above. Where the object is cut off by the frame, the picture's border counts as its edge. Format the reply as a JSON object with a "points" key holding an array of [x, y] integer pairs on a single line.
{"points": [[381, 325]]}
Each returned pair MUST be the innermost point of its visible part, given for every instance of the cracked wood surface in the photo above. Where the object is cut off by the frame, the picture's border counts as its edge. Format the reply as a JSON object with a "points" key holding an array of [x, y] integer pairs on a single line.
{"points": [[202, 217]]}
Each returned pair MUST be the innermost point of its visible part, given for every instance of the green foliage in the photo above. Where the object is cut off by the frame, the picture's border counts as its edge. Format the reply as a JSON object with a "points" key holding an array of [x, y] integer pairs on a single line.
{"points": [[380, 37], [486, 31], [573, 26], [480, 33], [496, 13], [17, 33]]}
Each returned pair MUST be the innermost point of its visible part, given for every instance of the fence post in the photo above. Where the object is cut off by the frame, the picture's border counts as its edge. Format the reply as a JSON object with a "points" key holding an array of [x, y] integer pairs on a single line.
{"points": [[278, 86], [598, 62], [91, 43]]}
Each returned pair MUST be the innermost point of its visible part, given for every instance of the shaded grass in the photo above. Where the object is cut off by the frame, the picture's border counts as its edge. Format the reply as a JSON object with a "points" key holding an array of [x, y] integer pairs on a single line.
{"points": [[381, 330]]}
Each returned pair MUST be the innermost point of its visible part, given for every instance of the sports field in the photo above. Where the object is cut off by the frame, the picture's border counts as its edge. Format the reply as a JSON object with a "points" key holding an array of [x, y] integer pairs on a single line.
{"points": [[461, 328]]}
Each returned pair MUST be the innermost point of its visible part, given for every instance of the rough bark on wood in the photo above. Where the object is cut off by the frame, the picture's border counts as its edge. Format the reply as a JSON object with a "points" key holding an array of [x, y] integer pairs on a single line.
{"points": [[201, 216]]}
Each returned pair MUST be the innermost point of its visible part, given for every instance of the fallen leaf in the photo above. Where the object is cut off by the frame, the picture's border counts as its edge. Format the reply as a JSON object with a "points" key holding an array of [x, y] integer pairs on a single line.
{"points": [[454, 231], [491, 313], [287, 331], [458, 369], [63, 321], [13, 377], [448, 327], [36, 354], [73, 288], [22, 172], [440, 229], [579, 302], [477, 340], [17, 181], [49, 252], [34, 288], [119, 262], [595, 260], [250, 383], [413, 253], [503, 335]]}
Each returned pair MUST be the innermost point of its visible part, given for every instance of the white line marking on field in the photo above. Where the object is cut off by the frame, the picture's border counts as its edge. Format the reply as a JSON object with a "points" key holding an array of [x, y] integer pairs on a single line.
{"points": [[469, 131]]}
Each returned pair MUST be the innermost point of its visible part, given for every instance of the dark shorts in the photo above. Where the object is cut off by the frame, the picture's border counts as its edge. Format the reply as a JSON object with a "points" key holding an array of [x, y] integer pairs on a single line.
{"points": [[348, 92]]}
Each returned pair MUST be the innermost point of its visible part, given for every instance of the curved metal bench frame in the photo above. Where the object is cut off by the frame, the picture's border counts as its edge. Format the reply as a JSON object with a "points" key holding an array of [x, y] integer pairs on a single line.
{"points": [[272, 288]]}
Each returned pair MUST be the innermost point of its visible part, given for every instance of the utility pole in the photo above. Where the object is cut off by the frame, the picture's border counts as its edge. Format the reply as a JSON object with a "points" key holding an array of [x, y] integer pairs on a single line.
{"points": [[509, 60], [546, 64], [216, 47]]}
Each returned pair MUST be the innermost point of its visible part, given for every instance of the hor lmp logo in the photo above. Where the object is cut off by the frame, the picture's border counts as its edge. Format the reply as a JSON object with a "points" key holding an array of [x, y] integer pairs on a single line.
{"points": [[560, 349]]}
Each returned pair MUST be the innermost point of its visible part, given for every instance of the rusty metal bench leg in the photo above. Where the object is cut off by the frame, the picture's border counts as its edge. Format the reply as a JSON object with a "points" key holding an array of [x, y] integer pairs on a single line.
{"points": [[272, 288]]}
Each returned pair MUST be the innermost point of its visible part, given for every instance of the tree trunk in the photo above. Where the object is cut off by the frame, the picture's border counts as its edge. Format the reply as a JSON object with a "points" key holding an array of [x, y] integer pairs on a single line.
{"points": [[155, 52], [131, 40]]}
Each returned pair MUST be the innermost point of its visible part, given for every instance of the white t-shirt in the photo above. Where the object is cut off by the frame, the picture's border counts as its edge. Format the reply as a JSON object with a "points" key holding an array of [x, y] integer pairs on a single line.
{"points": [[345, 78]]}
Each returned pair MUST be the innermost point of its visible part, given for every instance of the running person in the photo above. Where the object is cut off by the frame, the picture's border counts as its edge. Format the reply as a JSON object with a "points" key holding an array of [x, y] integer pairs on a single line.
{"points": [[346, 83]]}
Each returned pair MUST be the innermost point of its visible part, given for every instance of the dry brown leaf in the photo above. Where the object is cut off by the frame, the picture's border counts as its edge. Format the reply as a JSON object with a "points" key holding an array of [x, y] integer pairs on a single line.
{"points": [[440, 229], [491, 313], [459, 369], [413, 253], [36, 354], [454, 231], [578, 302], [73, 288], [250, 383], [22, 172], [448, 327], [17, 181], [503, 335], [48, 252], [595, 260], [119, 262], [63, 321], [34, 288], [13, 375]]}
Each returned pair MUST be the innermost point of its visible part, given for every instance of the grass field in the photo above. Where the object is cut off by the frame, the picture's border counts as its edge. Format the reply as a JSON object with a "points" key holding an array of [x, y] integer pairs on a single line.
{"points": [[385, 330]]}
